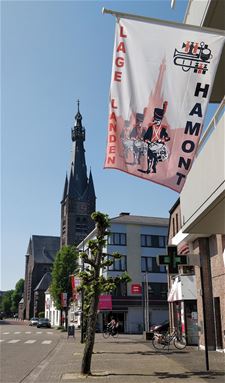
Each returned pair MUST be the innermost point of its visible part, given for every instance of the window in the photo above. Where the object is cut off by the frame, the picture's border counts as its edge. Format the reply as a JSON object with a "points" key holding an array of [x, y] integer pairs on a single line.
{"points": [[162, 269], [117, 239], [146, 263], [158, 290], [173, 227], [149, 264], [189, 270], [177, 224], [118, 264], [153, 240], [162, 241], [81, 225], [120, 290]]}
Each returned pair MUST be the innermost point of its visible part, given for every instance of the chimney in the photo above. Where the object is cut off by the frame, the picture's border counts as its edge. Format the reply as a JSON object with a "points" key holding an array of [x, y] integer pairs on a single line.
{"points": [[124, 213]]}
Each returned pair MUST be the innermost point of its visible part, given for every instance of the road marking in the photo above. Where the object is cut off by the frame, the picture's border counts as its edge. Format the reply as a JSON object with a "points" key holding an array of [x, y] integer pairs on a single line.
{"points": [[5, 333], [27, 332], [31, 341], [17, 332], [38, 332], [49, 332], [46, 342], [2, 340], [14, 341]]}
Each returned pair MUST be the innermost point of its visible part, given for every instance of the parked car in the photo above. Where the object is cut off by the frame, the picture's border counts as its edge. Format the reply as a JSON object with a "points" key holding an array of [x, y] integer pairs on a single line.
{"points": [[33, 321], [44, 322]]}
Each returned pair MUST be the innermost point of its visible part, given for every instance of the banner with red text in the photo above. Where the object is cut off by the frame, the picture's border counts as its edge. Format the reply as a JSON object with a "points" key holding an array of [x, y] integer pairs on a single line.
{"points": [[162, 78]]}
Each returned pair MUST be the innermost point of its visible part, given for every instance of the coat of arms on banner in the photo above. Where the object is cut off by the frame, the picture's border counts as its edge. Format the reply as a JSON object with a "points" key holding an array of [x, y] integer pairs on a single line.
{"points": [[161, 82]]}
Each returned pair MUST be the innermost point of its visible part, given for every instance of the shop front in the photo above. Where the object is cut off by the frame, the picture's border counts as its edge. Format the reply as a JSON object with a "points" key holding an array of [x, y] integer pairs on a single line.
{"points": [[183, 302]]}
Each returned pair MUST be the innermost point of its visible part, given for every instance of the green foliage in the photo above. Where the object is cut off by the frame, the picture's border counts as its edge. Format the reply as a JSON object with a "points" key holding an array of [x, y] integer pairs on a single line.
{"points": [[7, 302], [65, 264], [10, 299], [93, 282], [17, 295], [41, 314]]}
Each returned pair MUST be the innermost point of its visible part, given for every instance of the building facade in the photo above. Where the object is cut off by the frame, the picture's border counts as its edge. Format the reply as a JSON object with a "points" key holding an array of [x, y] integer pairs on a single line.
{"points": [[197, 220], [39, 259], [51, 311], [143, 301], [78, 202]]}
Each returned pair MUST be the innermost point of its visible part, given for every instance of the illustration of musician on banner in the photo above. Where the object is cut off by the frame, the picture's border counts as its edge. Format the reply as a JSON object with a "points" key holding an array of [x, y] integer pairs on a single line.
{"points": [[150, 142], [156, 137], [162, 78]]}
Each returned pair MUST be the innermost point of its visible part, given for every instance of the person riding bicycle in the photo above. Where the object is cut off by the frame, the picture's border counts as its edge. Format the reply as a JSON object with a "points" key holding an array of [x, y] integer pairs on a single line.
{"points": [[112, 325]]}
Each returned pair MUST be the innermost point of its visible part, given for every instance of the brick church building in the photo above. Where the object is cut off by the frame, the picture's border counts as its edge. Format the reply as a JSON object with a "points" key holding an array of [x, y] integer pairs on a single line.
{"points": [[77, 205]]}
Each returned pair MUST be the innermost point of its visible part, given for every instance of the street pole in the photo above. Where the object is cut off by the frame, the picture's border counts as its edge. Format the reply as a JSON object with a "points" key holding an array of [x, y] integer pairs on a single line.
{"points": [[82, 308], [82, 317], [146, 304], [204, 320]]}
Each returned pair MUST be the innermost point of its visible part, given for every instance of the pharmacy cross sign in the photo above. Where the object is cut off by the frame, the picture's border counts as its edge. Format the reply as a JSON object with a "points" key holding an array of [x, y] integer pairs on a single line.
{"points": [[172, 259]]}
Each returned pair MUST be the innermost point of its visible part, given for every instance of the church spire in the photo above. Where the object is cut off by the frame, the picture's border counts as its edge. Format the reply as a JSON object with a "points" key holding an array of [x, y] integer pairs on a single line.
{"points": [[78, 174], [79, 199], [78, 132]]}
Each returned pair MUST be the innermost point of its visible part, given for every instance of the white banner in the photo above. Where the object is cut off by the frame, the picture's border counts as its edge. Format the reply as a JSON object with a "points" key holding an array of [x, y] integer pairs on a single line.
{"points": [[162, 78]]}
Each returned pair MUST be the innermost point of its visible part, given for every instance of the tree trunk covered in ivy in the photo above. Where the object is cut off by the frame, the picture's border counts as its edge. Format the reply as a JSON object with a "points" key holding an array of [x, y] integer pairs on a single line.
{"points": [[94, 283], [90, 335]]}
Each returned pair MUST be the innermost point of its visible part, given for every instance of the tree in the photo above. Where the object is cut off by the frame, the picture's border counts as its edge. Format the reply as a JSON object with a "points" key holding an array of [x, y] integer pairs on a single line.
{"points": [[7, 302], [94, 283], [17, 295], [65, 265]]}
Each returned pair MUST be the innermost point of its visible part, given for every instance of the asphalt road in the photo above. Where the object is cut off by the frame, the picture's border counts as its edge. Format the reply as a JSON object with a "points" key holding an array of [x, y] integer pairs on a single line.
{"points": [[23, 347]]}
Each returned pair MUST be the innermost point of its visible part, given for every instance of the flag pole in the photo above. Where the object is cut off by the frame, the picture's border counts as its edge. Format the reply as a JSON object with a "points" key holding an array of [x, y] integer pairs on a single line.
{"points": [[163, 22]]}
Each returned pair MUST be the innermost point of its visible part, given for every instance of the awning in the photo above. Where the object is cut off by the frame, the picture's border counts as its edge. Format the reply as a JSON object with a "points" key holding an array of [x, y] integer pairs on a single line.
{"points": [[175, 292], [183, 288]]}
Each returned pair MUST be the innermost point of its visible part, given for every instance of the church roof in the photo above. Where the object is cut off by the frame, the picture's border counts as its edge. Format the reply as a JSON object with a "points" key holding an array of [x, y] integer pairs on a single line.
{"points": [[44, 282], [43, 248]]}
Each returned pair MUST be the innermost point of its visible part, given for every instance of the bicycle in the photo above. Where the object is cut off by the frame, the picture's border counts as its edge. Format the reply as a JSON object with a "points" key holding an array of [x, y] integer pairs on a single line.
{"points": [[110, 331], [163, 341]]}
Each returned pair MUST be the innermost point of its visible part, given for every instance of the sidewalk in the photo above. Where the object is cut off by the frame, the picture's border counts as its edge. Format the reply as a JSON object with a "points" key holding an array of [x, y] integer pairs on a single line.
{"points": [[124, 360]]}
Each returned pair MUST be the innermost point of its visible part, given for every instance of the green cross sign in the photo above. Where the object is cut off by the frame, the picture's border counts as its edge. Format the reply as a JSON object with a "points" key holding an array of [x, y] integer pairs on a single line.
{"points": [[172, 259]]}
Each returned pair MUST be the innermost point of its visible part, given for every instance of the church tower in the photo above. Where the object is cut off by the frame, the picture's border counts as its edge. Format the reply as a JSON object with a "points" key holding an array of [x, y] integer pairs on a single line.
{"points": [[79, 200]]}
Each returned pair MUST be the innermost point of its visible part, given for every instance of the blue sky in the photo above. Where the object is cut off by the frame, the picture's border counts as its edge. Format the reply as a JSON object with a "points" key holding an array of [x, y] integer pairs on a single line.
{"points": [[54, 52]]}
